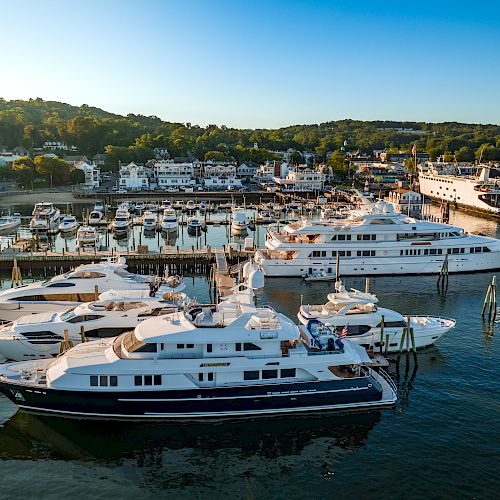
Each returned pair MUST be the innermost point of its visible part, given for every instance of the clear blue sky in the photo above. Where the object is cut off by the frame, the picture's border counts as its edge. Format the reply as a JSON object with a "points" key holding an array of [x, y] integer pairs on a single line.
{"points": [[257, 63]]}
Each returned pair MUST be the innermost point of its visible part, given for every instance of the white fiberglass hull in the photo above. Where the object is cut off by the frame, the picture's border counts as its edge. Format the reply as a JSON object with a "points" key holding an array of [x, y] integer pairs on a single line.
{"points": [[9, 227], [12, 310], [380, 266]]}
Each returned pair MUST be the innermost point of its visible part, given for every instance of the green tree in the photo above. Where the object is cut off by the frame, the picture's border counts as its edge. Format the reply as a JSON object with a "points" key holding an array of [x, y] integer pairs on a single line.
{"points": [[339, 164], [23, 170], [53, 170], [215, 156], [464, 154]]}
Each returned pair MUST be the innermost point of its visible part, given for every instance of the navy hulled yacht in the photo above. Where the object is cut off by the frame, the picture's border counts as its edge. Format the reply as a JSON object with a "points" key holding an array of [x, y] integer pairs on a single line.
{"points": [[227, 360]]}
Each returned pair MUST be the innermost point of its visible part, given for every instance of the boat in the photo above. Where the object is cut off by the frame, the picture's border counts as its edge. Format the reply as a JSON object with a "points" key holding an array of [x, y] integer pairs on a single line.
{"points": [[87, 236], [203, 207], [178, 205], [356, 315], [190, 206], [69, 289], [68, 224], [473, 188], [168, 221], [150, 221], [45, 218], [239, 221], [375, 240], [166, 205], [96, 217], [320, 276], [229, 360], [194, 226], [265, 216], [99, 207], [122, 221], [39, 336], [9, 223]]}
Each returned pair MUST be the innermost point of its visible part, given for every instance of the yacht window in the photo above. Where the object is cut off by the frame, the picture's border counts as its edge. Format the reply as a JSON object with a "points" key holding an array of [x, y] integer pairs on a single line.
{"points": [[180, 346], [84, 317], [147, 348], [248, 346], [88, 275], [440, 251], [200, 377], [103, 380], [288, 372], [189, 346], [210, 376], [238, 346], [61, 284], [486, 249], [30, 298], [68, 315], [341, 237], [138, 380], [393, 324], [148, 379], [456, 250], [41, 334], [93, 380], [267, 374], [251, 375], [113, 381], [209, 347]]}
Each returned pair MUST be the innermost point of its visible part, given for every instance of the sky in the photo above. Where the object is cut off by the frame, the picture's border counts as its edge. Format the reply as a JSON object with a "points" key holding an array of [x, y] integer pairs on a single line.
{"points": [[257, 64]]}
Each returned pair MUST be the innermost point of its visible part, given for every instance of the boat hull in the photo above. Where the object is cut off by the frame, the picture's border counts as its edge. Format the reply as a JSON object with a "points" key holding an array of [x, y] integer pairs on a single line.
{"points": [[13, 310], [342, 394]]}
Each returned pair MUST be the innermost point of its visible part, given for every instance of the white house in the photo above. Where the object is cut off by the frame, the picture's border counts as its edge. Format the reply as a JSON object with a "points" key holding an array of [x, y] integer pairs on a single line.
{"points": [[92, 174], [218, 176], [169, 174], [267, 171], [7, 157], [133, 176], [301, 178], [247, 170]]}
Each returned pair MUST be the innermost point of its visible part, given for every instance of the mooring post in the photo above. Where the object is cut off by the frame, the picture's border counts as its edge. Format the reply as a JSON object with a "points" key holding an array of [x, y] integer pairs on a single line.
{"points": [[381, 333]]}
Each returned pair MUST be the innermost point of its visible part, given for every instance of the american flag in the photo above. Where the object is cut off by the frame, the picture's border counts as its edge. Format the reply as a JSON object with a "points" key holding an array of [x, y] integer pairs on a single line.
{"points": [[343, 333], [414, 150]]}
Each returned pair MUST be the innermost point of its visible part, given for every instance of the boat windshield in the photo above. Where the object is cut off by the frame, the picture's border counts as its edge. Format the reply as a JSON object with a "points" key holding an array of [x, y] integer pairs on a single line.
{"points": [[70, 314]]}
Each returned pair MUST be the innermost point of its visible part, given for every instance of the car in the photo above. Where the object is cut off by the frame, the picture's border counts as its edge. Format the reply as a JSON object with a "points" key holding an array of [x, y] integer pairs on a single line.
{"points": [[121, 191]]}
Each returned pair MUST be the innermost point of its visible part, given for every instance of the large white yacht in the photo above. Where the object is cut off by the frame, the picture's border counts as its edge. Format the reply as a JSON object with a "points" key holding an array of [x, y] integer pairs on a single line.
{"points": [[39, 336], [70, 289], [474, 188], [239, 221], [168, 221], [233, 359], [356, 315], [375, 240], [45, 218]]}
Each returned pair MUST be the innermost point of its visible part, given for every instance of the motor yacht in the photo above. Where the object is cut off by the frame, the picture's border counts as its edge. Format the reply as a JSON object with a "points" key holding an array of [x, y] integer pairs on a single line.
{"points": [[99, 206], [122, 221], [233, 359], [150, 221], [45, 218], [9, 223], [68, 224], [39, 336], [190, 206], [375, 240], [178, 205], [357, 315], [87, 236], [96, 217], [169, 222], [239, 221], [69, 289], [194, 226], [166, 205], [265, 216]]}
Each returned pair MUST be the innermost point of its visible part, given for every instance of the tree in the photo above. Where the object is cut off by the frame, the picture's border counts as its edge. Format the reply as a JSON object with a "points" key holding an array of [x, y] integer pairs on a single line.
{"points": [[339, 164], [23, 170], [53, 170], [464, 154], [296, 158], [215, 156]]}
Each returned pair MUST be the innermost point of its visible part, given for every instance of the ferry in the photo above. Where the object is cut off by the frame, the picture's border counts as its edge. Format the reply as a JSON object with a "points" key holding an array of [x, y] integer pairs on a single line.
{"points": [[472, 188], [374, 240], [229, 360]]}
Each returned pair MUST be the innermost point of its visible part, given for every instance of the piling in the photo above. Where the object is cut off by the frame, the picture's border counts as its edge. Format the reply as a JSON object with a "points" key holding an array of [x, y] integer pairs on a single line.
{"points": [[490, 301]]}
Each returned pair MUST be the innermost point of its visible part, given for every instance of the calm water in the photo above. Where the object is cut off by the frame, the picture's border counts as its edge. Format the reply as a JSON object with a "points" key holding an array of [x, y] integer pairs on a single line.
{"points": [[441, 440]]}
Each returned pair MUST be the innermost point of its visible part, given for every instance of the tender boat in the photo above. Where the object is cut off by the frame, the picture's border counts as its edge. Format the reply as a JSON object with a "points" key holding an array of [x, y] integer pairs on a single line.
{"points": [[233, 359], [169, 222], [68, 224], [266, 216], [356, 315], [38, 336], [69, 289], [45, 218], [150, 221], [239, 221], [87, 236], [9, 223]]}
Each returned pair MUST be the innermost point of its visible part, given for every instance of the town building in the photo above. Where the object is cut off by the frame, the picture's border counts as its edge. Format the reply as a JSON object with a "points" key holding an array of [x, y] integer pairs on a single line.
{"points": [[92, 174], [169, 174], [72, 159], [301, 178], [247, 170], [99, 159], [57, 146], [220, 176], [133, 176], [8, 157]]}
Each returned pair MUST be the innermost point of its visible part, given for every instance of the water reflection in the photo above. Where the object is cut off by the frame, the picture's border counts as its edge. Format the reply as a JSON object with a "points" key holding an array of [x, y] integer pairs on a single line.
{"points": [[36, 437]]}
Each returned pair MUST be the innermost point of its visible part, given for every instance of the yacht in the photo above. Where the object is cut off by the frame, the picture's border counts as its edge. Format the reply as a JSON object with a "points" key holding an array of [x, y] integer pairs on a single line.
{"points": [[357, 316], [122, 221], [99, 206], [239, 221], [194, 226], [69, 289], [9, 223], [87, 236], [169, 222], [96, 217], [178, 205], [39, 336], [150, 221], [265, 216], [475, 188], [190, 206], [45, 218], [232, 360], [68, 224], [166, 205], [375, 240]]}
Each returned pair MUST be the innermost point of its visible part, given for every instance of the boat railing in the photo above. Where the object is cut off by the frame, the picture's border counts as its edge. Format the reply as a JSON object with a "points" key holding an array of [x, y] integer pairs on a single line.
{"points": [[382, 373]]}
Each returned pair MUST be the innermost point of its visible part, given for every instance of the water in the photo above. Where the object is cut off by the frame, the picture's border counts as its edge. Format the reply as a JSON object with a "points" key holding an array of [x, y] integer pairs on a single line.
{"points": [[442, 439]]}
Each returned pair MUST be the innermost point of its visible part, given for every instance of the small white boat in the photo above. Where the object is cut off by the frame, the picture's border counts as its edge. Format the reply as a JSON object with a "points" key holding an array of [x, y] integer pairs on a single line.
{"points": [[96, 217], [87, 236], [178, 205], [266, 216], [191, 206], [68, 224], [239, 221], [166, 205], [9, 223], [169, 222], [150, 221], [194, 226], [99, 207], [320, 276]]}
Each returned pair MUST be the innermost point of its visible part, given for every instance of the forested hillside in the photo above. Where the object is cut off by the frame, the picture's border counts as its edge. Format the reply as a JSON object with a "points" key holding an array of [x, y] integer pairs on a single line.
{"points": [[132, 137]]}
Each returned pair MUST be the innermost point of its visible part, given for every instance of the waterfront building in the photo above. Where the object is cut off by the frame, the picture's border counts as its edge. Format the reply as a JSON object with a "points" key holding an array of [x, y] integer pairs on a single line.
{"points": [[301, 178], [247, 170], [133, 176], [92, 174], [169, 174], [220, 176], [7, 157]]}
